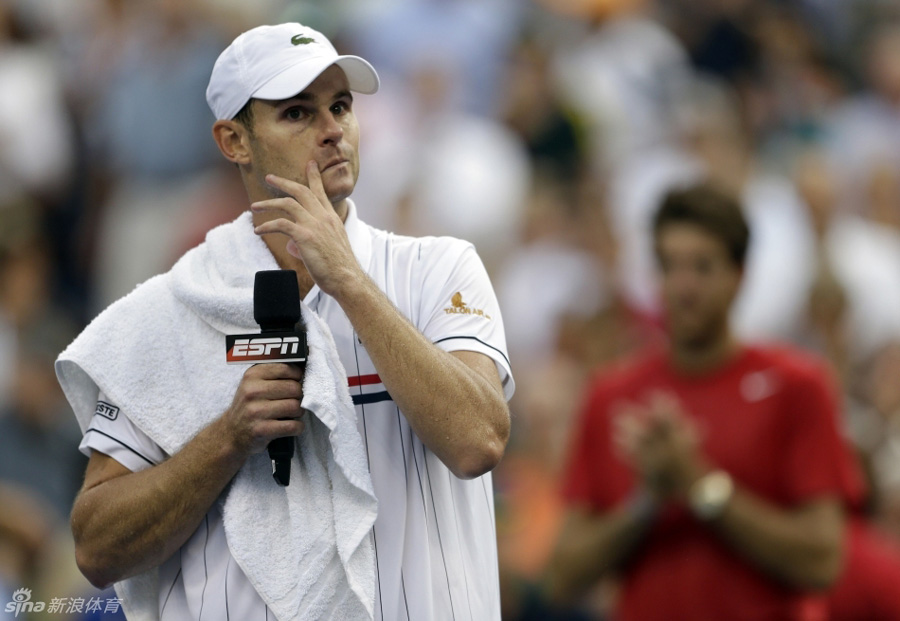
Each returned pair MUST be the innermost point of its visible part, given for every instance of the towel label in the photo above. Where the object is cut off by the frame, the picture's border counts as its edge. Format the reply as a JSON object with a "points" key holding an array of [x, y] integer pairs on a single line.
{"points": [[268, 347]]}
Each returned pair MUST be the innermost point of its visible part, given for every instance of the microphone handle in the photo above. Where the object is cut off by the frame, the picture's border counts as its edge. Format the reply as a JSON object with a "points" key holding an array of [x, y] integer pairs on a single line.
{"points": [[281, 451]]}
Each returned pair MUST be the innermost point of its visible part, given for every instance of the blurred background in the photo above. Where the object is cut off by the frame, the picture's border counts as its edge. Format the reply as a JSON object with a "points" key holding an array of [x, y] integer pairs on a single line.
{"points": [[545, 131]]}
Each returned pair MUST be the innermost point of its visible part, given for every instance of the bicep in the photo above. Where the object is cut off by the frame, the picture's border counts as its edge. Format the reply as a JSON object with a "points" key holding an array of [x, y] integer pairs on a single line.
{"points": [[116, 446], [459, 312], [100, 469]]}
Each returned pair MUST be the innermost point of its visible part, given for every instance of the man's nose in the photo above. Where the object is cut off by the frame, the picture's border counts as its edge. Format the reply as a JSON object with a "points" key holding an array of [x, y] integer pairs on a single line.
{"points": [[331, 131], [683, 281]]}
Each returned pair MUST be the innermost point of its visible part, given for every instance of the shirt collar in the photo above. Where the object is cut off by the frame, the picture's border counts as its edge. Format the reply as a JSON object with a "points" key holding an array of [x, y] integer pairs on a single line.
{"points": [[358, 232]]}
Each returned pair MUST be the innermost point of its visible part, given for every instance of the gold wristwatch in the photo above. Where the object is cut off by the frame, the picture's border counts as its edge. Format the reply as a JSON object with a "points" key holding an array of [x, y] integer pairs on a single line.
{"points": [[709, 494]]}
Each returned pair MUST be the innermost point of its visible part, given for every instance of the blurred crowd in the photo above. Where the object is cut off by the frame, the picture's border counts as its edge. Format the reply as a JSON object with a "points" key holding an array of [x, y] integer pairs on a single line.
{"points": [[544, 131]]}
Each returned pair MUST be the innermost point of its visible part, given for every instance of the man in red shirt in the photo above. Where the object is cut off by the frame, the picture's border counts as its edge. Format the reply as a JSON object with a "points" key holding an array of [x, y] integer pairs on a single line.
{"points": [[711, 474]]}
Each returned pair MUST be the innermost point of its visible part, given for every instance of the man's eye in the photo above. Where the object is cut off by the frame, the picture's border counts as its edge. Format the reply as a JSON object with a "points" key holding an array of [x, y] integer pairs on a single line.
{"points": [[293, 113], [340, 107]]}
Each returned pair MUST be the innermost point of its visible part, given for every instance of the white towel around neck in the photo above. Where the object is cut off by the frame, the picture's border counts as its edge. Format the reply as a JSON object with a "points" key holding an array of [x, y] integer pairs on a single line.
{"points": [[159, 354]]}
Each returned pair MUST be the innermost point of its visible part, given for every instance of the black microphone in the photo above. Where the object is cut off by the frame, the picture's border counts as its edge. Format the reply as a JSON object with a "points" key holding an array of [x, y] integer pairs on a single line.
{"points": [[282, 338]]}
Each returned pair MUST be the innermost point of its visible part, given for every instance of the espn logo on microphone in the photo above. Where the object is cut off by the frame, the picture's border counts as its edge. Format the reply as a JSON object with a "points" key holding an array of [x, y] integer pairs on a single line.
{"points": [[268, 347]]}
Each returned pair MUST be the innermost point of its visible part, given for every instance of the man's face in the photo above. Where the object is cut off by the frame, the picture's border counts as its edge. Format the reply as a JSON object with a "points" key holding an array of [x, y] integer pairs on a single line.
{"points": [[318, 124], [698, 280]]}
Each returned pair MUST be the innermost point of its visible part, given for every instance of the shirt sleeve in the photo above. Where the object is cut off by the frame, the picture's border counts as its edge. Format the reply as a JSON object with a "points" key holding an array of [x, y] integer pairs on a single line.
{"points": [[112, 433], [818, 461], [462, 313]]}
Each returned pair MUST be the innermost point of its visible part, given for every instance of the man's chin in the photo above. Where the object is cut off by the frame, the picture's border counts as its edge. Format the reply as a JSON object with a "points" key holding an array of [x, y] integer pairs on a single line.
{"points": [[338, 197], [339, 190]]}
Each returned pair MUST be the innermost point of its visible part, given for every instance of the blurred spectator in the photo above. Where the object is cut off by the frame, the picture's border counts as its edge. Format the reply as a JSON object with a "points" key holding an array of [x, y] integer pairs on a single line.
{"points": [[625, 77], [533, 110], [35, 432], [18, 226], [438, 170], [147, 128], [780, 263], [883, 194], [404, 37], [865, 130], [35, 131], [36, 439], [880, 438], [714, 146], [26, 525], [718, 36], [551, 274], [855, 292], [575, 320], [700, 520], [148, 120], [529, 507]]}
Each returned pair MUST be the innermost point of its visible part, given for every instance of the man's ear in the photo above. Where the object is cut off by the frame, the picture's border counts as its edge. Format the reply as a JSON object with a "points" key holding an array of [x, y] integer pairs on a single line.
{"points": [[232, 139]]}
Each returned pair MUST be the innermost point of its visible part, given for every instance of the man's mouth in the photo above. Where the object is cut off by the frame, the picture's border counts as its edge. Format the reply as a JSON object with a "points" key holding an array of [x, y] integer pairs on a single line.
{"points": [[333, 163]]}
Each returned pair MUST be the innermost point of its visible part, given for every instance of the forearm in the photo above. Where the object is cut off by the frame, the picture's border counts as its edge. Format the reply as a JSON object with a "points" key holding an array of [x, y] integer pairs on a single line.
{"points": [[802, 548], [590, 545], [456, 412], [129, 524]]}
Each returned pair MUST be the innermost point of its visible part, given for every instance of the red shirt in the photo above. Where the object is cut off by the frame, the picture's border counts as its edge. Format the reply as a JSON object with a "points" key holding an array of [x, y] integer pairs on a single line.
{"points": [[869, 588], [769, 418]]}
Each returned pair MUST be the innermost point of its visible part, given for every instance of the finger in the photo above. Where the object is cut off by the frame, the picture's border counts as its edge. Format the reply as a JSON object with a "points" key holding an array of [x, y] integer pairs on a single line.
{"points": [[690, 432], [633, 409], [623, 439], [267, 410], [281, 226], [628, 432], [629, 426], [288, 187], [293, 249], [284, 409], [275, 370], [659, 419], [281, 428], [307, 198], [273, 390], [289, 207], [296, 235], [314, 179]]}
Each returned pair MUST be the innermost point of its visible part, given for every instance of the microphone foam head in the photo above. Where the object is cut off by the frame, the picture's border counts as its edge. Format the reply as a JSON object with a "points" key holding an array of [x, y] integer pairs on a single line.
{"points": [[276, 299]]}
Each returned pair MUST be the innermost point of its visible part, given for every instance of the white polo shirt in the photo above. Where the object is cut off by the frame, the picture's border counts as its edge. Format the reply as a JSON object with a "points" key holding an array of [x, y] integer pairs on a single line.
{"points": [[435, 538]]}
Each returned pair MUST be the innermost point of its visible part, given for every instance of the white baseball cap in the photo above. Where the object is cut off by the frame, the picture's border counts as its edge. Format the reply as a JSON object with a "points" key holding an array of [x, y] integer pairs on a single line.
{"points": [[278, 62]]}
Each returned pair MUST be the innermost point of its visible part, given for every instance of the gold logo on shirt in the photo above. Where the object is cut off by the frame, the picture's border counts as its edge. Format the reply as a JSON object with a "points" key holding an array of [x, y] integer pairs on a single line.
{"points": [[458, 307]]}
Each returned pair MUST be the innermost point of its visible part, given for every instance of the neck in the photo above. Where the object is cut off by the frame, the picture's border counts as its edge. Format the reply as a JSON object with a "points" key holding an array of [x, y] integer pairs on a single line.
{"points": [[693, 359], [277, 245]]}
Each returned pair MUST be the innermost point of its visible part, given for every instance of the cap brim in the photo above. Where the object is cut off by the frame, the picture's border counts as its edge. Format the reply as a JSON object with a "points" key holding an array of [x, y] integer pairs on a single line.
{"points": [[361, 77]]}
